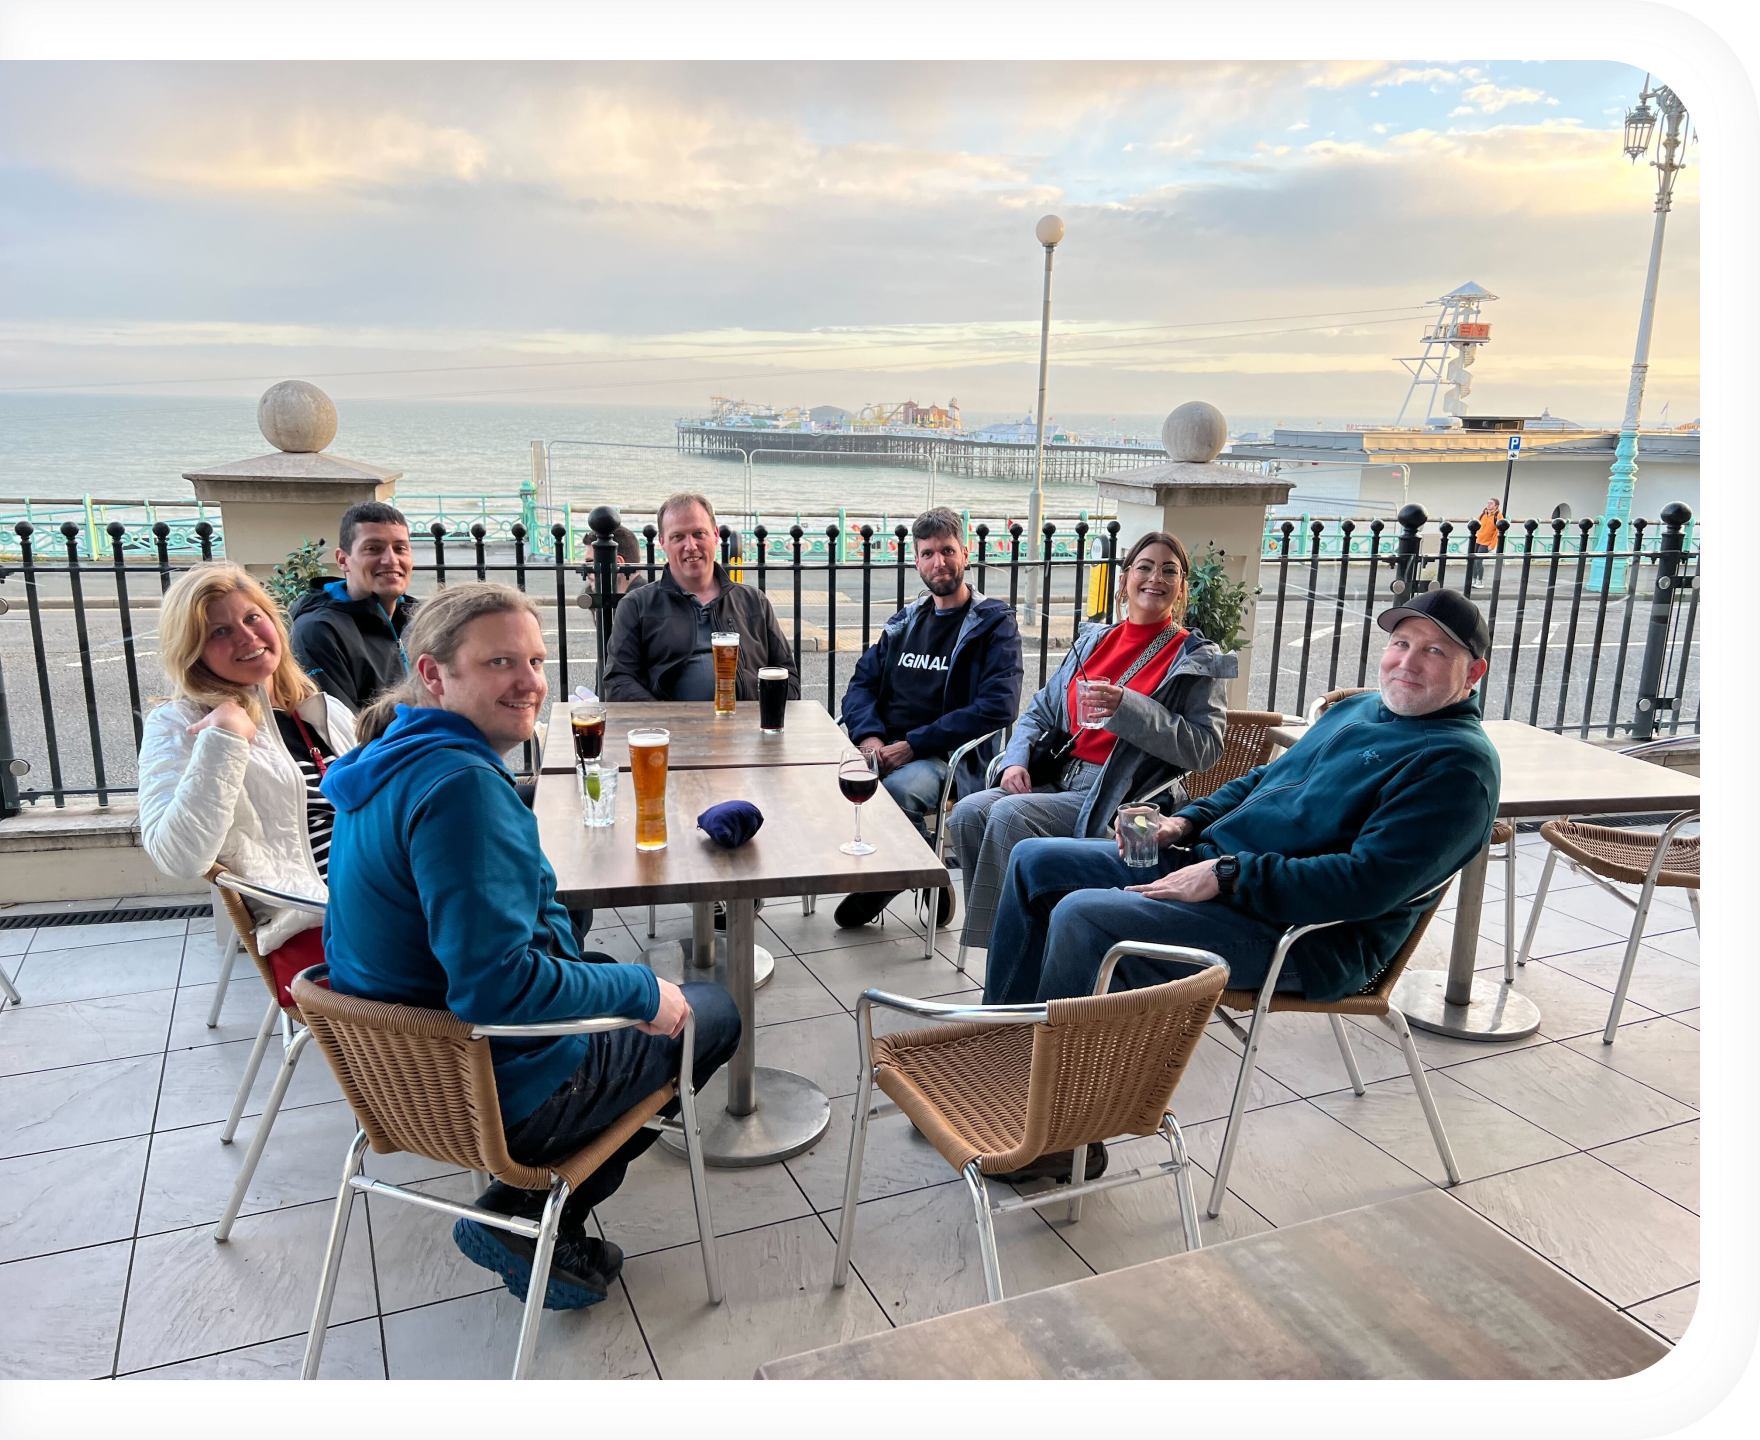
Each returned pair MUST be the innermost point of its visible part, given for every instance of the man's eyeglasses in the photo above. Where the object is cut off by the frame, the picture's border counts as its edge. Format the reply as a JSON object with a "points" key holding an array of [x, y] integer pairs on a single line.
{"points": [[1145, 571]]}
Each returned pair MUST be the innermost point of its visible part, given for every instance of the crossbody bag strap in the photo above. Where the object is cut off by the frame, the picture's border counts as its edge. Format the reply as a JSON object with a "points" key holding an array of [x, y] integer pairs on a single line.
{"points": [[1150, 651], [311, 744]]}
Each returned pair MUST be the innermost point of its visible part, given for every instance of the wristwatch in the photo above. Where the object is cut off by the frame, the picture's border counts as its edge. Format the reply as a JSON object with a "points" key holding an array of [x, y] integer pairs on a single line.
{"points": [[1227, 870]]}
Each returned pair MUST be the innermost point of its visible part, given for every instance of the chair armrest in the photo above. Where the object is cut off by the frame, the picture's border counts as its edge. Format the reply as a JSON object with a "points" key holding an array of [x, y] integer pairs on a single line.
{"points": [[269, 897], [939, 1010], [1144, 949], [586, 1025]]}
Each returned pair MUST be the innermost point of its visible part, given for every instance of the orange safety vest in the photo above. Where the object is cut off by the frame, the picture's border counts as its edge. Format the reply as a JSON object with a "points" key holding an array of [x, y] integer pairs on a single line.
{"points": [[1487, 535]]}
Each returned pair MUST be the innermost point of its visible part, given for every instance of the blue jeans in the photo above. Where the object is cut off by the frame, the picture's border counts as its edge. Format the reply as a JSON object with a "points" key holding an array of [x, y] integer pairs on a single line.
{"points": [[621, 1069], [916, 785], [1063, 908]]}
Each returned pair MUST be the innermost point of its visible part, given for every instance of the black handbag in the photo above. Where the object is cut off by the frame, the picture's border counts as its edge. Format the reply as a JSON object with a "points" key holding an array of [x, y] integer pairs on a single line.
{"points": [[1048, 753]]}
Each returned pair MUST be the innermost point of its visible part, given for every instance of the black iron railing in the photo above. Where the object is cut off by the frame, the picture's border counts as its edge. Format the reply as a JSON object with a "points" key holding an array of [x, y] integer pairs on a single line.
{"points": [[1596, 641]]}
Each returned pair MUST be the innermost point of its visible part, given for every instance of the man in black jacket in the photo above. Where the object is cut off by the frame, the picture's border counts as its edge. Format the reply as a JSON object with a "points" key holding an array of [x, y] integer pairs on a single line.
{"points": [[945, 670], [659, 647], [347, 633]]}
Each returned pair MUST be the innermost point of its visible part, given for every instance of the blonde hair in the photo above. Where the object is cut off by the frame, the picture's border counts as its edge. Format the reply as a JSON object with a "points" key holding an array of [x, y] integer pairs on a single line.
{"points": [[183, 634], [438, 630]]}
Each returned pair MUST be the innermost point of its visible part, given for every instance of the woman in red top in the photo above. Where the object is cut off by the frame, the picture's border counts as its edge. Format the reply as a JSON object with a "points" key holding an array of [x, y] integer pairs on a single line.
{"points": [[1162, 712]]}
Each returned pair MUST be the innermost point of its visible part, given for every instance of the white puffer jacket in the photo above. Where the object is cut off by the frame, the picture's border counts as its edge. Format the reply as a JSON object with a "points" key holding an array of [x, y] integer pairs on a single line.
{"points": [[213, 796]]}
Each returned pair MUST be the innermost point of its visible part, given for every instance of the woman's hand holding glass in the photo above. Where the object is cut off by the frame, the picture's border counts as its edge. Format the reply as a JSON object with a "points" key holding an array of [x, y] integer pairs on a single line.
{"points": [[1103, 699]]}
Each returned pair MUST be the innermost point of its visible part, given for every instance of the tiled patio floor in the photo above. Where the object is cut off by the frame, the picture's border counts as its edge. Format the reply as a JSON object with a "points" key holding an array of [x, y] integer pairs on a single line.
{"points": [[112, 1093]]}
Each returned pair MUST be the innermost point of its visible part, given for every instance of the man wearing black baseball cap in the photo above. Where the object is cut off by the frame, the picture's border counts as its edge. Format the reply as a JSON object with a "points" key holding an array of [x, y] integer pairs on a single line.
{"points": [[1384, 799]]}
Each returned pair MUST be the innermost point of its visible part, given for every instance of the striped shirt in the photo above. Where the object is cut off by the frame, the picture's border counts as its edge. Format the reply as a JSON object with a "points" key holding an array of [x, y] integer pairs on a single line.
{"points": [[320, 813]]}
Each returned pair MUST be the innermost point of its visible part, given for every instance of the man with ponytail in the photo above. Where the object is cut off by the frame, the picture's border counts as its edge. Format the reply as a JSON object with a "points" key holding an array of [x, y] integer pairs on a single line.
{"points": [[441, 897]]}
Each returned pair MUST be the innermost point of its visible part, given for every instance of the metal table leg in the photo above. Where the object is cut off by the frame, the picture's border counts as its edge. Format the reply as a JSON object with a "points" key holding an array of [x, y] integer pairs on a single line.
{"points": [[752, 1115], [1446, 1003], [705, 957]]}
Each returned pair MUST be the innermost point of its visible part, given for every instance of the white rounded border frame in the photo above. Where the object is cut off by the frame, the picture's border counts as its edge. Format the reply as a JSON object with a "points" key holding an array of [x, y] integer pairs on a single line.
{"points": [[1694, 1379]]}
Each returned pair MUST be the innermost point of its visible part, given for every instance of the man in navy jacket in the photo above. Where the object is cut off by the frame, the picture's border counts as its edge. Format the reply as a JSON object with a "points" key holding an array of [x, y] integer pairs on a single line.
{"points": [[946, 669]]}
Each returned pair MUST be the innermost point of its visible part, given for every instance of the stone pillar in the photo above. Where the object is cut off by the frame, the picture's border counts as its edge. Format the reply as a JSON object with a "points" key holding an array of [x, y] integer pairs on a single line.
{"points": [[270, 504], [1202, 503]]}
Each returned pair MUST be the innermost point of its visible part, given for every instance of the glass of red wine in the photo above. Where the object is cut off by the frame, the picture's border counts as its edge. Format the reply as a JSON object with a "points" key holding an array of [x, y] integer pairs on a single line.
{"points": [[858, 776]]}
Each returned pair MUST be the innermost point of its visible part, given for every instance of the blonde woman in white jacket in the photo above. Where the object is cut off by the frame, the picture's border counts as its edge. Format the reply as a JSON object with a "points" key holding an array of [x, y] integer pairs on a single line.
{"points": [[230, 766]]}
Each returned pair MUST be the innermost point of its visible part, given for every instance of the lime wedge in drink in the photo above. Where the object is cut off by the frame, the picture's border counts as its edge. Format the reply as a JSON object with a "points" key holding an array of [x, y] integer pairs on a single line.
{"points": [[593, 785]]}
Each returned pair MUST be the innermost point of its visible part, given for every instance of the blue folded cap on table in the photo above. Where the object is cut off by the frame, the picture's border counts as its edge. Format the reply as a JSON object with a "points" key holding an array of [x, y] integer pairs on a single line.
{"points": [[731, 823]]}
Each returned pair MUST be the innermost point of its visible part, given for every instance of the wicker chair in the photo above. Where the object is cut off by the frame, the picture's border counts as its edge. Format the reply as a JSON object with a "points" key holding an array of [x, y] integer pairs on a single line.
{"points": [[1603, 854], [1372, 1000], [992, 1095], [1246, 744], [232, 890], [1320, 704], [421, 1081]]}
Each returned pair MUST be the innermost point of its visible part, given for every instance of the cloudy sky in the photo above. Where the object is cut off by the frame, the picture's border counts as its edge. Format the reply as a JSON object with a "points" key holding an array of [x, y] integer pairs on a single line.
{"points": [[1261, 235]]}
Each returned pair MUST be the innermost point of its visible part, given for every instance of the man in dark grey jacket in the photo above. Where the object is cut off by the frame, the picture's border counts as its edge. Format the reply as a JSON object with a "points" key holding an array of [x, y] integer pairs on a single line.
{"points": [[659, 648]]}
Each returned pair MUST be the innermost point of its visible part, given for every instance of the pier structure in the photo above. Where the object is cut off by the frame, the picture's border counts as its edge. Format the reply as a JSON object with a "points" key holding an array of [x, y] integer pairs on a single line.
{"points": [[950, 454]]}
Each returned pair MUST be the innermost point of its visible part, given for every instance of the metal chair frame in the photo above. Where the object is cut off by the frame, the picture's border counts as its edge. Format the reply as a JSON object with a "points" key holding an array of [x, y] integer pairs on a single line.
{"points": [[1640, 907], [543, 1230], [8, 991], [294, 1039], [1178, 1163], [1250, 1060]]}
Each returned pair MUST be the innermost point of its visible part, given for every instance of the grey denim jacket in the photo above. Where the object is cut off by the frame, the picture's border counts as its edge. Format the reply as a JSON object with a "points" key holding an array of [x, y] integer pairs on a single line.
{"points": [[1161, 736]]}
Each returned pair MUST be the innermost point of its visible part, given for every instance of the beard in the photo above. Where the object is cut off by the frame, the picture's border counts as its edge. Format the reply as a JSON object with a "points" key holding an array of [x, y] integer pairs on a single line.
{"points": [[946, 585]]}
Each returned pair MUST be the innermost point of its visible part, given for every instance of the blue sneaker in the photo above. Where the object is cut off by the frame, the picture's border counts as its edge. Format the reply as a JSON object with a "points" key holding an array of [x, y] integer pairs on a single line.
{"points": [[581, 1267]]}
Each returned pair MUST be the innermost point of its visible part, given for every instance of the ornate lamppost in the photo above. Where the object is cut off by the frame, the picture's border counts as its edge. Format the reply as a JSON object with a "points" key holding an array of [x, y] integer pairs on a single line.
{"points": [[1048, 232], [1641, 131]]}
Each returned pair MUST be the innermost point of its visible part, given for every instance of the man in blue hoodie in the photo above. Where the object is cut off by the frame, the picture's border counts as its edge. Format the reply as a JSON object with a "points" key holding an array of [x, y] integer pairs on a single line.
{"points": [[946, 669], [347, 633], [1383, 800], [440, 896]]}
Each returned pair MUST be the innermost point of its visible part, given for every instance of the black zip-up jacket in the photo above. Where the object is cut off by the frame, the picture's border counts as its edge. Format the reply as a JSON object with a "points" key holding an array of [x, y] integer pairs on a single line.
{"points": [[351, 648], [654, 631]]}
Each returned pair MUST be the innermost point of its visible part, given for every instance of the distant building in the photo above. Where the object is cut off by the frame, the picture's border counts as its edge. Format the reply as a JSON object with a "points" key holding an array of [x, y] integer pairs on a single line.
{"points": [[828, 416], [1451, 472]]}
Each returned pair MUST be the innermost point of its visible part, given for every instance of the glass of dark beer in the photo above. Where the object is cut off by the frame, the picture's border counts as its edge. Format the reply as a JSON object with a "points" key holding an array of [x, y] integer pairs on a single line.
{"points": [[772, 699], [588, 724], [858, 777]]}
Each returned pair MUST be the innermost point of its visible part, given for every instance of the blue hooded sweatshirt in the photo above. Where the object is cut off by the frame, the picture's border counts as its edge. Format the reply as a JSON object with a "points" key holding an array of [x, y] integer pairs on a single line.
{"points": [[440, 896]]}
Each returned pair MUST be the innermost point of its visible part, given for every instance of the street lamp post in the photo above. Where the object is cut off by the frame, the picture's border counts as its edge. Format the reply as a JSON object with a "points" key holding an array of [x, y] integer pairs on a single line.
{"points": [[1049, 231], [1669, 162]]}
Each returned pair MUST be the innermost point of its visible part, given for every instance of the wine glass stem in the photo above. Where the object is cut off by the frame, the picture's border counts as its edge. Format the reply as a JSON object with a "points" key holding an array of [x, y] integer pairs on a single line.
{"points": [[858, 810]]}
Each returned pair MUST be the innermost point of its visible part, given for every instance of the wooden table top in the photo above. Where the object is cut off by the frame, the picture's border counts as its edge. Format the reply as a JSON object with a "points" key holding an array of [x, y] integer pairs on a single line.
{"points": [[702, 740], [805, 820], [1418, 1288], [1549, 774]]}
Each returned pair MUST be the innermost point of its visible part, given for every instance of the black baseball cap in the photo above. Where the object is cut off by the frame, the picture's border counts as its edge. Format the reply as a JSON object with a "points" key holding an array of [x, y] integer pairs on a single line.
{"points": [[1450, 612]]}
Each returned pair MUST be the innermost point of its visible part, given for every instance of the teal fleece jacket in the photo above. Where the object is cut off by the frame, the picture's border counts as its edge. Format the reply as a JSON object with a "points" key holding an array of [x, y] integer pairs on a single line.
{"points": [[1358, 822], [440, 896]]}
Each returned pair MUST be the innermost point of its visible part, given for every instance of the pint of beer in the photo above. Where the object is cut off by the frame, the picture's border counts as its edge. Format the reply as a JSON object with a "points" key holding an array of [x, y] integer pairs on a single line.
{"points": [[726, 646], [648, 751], [772, 699]]}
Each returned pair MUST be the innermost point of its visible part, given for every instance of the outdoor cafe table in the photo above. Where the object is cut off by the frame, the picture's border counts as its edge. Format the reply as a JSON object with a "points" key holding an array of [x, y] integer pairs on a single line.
{"points": [[701, 739], [1544, 775], [1418, 1288], [768, 1114]]}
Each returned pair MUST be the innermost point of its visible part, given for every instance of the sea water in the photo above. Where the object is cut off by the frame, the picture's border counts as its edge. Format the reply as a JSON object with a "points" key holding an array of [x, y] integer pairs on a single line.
{"points": [[129, 447]]}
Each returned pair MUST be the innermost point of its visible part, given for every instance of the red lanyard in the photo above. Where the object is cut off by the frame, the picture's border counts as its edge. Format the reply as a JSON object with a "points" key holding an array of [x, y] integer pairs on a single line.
{"points": [[311, 744]]}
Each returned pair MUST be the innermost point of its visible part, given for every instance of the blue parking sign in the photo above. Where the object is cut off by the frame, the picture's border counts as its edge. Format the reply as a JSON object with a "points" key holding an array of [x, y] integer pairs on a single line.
{"points": [[1515, 446]]}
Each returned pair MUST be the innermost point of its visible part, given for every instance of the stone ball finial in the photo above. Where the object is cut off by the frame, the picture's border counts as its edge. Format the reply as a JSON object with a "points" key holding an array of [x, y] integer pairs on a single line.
{"points": [[1194, 433], [296, 416]]}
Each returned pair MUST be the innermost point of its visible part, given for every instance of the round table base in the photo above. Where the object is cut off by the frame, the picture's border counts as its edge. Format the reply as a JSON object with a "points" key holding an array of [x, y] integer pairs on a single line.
{"points": [[667, 960], [791, 1114], [1497, 1011]]}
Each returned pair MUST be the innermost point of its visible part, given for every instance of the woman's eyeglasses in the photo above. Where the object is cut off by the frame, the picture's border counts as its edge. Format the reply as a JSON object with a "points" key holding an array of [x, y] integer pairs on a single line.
{"points": [[1169, 573]]}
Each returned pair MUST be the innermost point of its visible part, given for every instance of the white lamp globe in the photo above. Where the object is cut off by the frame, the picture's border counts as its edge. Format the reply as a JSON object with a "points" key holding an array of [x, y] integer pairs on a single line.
{"points": [[1049, 230]]}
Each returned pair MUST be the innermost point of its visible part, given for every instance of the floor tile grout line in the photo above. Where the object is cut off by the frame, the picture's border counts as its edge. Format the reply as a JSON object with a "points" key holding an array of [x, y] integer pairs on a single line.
{"points": [[1686, 1209], [1574, 1278], [146, 1167], [1678, 1289], [1534, 1049], [856, 1270]]}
